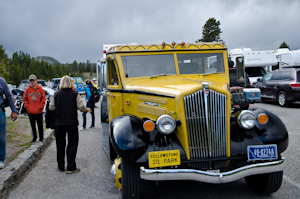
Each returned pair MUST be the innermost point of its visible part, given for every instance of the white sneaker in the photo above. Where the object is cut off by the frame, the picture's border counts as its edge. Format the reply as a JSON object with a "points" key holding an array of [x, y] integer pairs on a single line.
{"points": [[82, 129], [1, 165]]}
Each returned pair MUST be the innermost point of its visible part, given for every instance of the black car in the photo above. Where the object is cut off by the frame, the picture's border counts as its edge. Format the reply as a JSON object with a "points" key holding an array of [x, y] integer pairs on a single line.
{"points": [[280, 85]]}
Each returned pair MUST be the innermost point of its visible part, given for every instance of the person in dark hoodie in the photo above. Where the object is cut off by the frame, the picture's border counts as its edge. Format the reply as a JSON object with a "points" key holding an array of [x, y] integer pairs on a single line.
{"points": [[65, 102], [34, 102]]}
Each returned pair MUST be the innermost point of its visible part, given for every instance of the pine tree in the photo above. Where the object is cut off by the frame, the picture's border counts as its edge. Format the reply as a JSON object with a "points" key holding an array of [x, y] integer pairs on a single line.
{"points": [[211, 31], [284, 45], [3, 63]]}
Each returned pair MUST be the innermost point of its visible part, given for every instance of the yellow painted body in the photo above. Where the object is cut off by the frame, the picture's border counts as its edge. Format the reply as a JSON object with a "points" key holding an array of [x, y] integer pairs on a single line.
{"points": [[178, 85], [118, 172]]}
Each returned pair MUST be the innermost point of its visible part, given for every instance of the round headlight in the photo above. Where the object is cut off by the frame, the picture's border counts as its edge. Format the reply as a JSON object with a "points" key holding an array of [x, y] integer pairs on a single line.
{"points": [[165, 124], [246, 119]]}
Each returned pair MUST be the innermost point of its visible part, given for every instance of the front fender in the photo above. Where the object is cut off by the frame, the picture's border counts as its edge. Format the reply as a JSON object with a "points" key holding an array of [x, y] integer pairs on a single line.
{"points": [[128, 138], [273, 132]]}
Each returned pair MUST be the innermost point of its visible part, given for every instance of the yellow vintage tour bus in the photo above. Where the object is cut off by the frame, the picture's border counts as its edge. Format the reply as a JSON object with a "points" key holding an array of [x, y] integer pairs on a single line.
{"points": [[166, 114]]}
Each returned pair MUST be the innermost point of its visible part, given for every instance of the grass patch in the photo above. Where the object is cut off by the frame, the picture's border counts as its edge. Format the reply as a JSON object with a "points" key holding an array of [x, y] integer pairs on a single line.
{"points": [[18, 131], [18, 137]]}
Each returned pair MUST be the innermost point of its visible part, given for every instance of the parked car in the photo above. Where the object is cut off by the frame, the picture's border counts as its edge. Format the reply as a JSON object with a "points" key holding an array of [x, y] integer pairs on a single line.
{"points": [[255, 72], [24, 84], [79, 85], [280, 85], [168, 116], [12, 88], [55, 83], [41, 82]]}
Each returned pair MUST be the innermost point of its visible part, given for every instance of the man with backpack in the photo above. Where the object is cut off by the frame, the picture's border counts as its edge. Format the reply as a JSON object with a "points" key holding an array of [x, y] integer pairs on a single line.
{"points": [[92, 96]]}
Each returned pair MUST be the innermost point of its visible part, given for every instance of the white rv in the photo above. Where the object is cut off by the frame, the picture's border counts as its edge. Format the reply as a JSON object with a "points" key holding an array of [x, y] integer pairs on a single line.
{"points": [[287, 58], [256, 62]]}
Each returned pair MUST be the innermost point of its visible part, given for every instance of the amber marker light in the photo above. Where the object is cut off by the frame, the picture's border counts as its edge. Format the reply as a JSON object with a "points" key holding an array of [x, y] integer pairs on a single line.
{"points": [[148, 125], [173, 43], [262, 118], [163, 44]]}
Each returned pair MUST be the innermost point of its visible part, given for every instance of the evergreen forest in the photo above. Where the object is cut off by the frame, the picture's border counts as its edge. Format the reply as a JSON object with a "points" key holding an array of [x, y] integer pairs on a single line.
{"points": [[21, 65]]}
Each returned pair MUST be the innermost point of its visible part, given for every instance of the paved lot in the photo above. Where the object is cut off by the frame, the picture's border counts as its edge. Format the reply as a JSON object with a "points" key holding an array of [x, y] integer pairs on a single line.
{"points": [[93, 181], [43, 181]]}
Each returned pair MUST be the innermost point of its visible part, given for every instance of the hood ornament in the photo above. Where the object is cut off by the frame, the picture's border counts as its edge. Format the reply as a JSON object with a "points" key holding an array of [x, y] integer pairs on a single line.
{"points": [[205, 85]]}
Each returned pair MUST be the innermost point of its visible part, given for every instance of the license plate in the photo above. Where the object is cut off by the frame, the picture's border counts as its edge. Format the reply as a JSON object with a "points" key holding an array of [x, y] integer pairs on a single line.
{"points": [[262, 152], [164, 158]]}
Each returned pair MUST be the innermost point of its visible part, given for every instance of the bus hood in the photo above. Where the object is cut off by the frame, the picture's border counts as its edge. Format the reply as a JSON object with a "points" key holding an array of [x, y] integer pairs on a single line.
{"points": [[174, 86]]}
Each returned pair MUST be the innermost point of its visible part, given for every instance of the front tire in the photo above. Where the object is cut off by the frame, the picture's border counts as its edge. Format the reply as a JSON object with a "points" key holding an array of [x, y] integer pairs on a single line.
{"points": [[130, 180], [265, 184], [282, 99]]}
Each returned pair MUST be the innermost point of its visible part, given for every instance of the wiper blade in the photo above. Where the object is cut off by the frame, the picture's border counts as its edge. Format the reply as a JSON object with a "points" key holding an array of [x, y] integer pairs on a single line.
{"points": [[162, 74], [209, 73]]}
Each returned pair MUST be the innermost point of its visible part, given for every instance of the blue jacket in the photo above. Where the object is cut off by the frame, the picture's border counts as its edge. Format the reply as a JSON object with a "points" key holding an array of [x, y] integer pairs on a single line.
{"points": [[6, 91], [88, 93]]}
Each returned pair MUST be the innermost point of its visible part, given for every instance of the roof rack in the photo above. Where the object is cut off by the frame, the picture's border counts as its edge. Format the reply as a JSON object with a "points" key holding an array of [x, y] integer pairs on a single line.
{"points": [[167, 47]]}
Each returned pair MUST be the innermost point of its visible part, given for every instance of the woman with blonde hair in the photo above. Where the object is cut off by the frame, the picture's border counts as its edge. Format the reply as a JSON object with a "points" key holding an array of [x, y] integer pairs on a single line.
{"points": [[65, 102]]}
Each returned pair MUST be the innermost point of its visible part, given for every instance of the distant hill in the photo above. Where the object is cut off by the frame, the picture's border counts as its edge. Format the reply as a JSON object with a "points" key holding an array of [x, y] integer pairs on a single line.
{"points": [[49, 60]]}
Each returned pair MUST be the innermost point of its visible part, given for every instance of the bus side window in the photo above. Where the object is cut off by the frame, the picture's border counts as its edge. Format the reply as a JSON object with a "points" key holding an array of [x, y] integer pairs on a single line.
{"points": [[113, 77], [103, 75]]}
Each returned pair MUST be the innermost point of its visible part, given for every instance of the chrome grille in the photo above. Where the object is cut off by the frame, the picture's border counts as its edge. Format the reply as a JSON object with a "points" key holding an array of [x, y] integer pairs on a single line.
{"points": [[206, 116]]}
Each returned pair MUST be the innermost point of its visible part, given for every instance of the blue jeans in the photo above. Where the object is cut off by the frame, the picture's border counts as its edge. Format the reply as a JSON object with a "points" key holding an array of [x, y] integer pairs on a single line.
{"points": [[2, 135], [92, 106]]}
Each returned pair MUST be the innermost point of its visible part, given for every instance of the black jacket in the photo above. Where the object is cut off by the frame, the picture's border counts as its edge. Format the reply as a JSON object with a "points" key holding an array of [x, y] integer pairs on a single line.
{"points": [[66, 108]]}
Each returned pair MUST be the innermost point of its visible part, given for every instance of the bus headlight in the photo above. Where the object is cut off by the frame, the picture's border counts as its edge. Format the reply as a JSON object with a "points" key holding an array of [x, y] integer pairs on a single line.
{"points": [[246, 119], [165, 124]]}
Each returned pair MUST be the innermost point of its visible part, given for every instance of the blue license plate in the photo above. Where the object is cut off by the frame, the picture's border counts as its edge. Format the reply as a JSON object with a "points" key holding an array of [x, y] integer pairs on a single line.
{"points": [[262, 152]]}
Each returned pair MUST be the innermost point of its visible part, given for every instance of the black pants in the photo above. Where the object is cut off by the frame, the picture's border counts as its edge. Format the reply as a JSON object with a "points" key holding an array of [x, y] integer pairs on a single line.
{"points": [[39, 119], [60, 134]]}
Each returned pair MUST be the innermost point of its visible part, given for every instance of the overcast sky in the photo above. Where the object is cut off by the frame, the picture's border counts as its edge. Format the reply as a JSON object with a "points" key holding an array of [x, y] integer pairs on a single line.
{"points": [[70, 30]]}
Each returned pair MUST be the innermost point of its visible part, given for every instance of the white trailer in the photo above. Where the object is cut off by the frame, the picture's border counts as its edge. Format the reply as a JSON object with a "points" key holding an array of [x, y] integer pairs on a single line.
{"points": [[288, 58], [256, 62]]}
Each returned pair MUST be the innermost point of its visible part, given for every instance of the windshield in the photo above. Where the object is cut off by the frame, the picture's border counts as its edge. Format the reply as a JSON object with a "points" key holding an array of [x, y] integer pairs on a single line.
{"points": [[78, 80], [204, 63], [148, 65], [255, 71], [42, 82]]}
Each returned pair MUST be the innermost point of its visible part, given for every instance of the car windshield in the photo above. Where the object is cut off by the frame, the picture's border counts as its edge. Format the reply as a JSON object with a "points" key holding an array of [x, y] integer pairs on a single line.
{"points": [[10, 86], [148, 65], [203, 63], [255, 71], [42, 82], [23, 86], [79, 80]]}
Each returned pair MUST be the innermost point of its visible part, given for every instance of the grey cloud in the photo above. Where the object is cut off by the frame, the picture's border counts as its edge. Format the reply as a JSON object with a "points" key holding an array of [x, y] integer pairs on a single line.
{"points": [[76, 30]]}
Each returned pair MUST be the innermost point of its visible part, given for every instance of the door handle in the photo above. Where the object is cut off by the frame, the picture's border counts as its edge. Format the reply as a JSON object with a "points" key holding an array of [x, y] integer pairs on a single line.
{"points": [[105, 93]]}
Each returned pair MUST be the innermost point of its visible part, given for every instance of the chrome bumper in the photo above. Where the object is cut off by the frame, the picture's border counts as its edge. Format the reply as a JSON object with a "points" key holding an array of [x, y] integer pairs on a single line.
{"points": [[208, 177]]}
